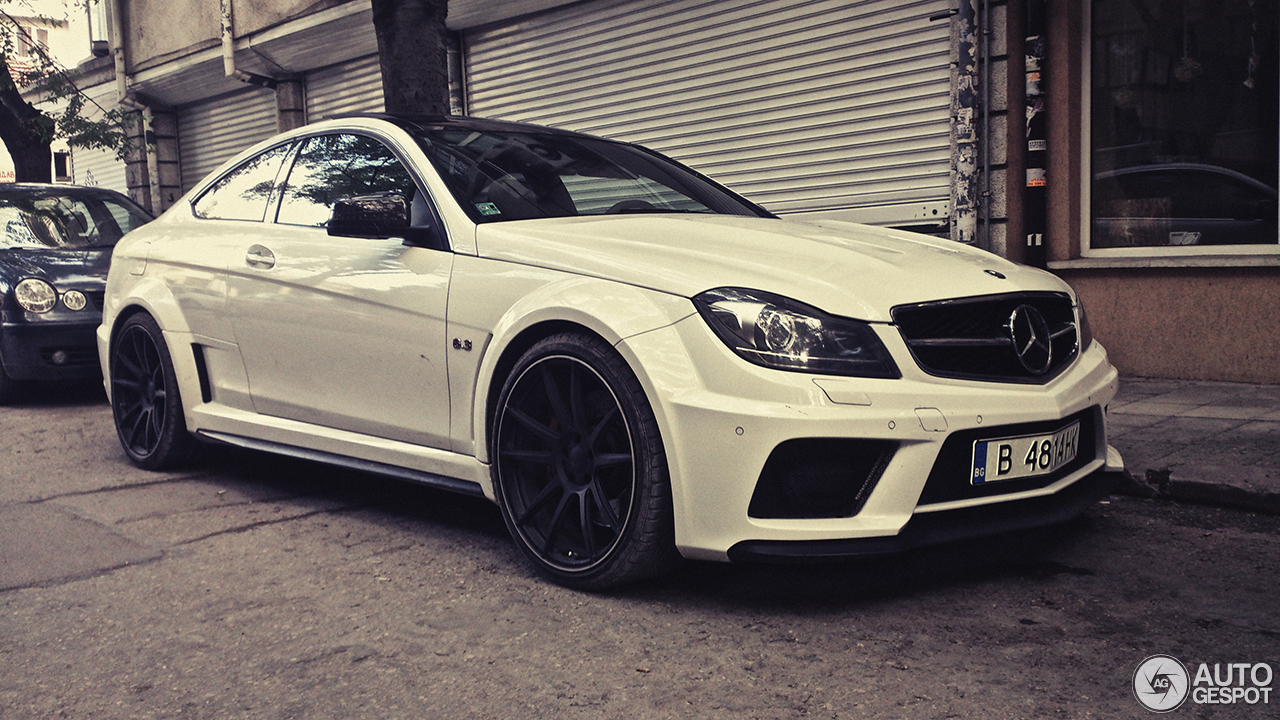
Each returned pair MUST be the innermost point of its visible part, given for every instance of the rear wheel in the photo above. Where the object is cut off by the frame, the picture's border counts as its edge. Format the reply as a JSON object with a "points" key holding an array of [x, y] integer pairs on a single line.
{"points": [[145, 402], [579, 468]]}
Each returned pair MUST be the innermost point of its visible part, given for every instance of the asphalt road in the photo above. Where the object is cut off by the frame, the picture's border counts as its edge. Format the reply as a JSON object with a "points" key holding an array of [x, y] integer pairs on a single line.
{"points": [[256, 587]]}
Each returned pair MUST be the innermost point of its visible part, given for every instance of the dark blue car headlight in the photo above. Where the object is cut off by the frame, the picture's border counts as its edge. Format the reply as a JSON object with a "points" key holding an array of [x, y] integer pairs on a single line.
{"points": [[784, 334], [35, 295]]}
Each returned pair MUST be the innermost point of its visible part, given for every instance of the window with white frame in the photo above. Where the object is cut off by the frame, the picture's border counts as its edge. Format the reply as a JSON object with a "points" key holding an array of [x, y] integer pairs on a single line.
{"points": [[1184, 101]]}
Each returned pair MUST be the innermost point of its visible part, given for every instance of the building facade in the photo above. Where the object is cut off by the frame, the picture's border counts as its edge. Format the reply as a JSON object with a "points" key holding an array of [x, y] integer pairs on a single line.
{"points": [[1129, 147]]}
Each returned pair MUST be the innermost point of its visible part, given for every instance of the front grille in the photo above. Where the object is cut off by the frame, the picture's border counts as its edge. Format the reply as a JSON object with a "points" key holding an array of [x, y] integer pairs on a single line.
{"points": [[952, 473], [970, 338], [819, 477], [97, 298]]}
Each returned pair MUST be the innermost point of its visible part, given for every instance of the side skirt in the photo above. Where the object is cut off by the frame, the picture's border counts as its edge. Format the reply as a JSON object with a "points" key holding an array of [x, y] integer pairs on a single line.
{"points": [[442, 482]]}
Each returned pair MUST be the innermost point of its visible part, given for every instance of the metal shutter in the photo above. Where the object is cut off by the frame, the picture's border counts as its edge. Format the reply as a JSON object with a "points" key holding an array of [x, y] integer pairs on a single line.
{"points": [[99, 168], [212, 131], [836, 105], [354, 86]]}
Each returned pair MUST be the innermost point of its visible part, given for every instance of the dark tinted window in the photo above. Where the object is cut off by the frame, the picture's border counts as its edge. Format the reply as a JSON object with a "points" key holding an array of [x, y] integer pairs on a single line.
{"points": [[514, 175], [66, 220], [243, 193], [333, 167], [1184, 122]]}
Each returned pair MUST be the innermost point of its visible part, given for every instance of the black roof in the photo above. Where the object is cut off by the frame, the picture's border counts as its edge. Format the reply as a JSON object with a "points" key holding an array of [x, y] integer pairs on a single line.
{"points": [[421, 122]]}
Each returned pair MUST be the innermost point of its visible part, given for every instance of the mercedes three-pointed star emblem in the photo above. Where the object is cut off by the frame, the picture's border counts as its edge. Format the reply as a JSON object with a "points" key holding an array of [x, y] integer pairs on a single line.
{"points": [[1032, 343]]}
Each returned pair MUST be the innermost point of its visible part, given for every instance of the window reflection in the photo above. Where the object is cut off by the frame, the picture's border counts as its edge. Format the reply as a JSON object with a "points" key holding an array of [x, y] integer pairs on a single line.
{"points": [[1184, 125], [57, 220], [243, 193], [333, 167], [507, 175]]}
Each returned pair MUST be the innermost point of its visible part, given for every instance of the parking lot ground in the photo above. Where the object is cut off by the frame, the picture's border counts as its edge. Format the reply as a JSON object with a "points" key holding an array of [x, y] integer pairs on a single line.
{"points": [[255, 587]]}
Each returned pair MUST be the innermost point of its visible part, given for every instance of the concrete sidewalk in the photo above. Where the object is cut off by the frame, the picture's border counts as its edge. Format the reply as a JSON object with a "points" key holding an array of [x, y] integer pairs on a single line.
{"points": [[1196, 440]]}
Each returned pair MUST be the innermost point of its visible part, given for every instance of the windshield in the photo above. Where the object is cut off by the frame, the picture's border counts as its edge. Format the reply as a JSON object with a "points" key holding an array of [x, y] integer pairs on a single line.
{"points": [[65, 220], [518, 175]]}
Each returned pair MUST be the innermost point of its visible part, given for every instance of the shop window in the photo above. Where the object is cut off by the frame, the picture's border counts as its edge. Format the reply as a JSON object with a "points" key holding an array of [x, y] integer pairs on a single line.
{"points": [[1184, 106]]}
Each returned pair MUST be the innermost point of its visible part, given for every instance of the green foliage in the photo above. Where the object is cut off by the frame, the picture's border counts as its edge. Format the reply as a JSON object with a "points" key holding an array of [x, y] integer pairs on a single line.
{"points": [[61, 111]]}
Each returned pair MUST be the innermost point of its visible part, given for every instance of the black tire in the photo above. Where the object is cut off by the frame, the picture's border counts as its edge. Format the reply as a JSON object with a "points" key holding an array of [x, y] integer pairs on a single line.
{"points": [[8, 388], [145, 402], [579, 468]]}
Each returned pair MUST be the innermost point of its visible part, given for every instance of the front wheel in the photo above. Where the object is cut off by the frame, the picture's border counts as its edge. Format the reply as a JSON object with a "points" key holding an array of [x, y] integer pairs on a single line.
{"points": [[579, 468], [145, 402], [8, 388]]}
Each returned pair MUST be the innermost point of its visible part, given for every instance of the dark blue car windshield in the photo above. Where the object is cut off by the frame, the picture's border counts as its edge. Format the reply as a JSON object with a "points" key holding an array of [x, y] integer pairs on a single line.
{"points": [[49, 220]]}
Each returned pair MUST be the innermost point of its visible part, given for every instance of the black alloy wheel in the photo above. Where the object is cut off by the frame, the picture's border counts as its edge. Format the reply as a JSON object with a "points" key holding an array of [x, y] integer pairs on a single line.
{"points": [[579, 468], [145, 402]]}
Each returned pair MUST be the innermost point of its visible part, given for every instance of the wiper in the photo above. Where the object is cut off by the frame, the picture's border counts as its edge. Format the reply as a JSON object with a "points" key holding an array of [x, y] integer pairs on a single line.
{"points": [[638, 210]]}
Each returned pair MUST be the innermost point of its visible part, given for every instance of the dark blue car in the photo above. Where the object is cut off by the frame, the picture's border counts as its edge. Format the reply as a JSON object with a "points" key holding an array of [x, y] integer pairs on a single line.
{"points": [[55, 249]]}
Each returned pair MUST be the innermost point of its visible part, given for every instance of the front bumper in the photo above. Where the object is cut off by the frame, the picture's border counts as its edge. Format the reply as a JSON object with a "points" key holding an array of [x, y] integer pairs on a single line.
{"points": [[722, 419], [938, 528], [50, 351]]}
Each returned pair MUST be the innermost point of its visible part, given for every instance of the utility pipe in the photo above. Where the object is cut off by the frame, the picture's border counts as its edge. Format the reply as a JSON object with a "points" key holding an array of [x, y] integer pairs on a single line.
{"points": [[229, 52], [964, 211], [126, 98], [984, 240]]}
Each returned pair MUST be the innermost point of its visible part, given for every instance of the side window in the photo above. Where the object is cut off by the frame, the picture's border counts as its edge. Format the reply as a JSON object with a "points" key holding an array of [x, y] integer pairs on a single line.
{"points": [[243, 193], [333, 167]]}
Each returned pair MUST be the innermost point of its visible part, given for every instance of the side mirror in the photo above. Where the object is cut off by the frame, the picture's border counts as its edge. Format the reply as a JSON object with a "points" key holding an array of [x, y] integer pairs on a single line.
{"points": [[383, 215]]}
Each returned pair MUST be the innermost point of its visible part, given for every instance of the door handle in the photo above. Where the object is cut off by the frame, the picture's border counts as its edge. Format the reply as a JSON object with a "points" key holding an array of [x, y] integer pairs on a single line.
{"points": [[260, 257]]}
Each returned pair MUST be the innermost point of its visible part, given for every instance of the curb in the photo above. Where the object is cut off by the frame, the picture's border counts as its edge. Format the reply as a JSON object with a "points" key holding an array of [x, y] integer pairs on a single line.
{"points": [[1159, 484]]}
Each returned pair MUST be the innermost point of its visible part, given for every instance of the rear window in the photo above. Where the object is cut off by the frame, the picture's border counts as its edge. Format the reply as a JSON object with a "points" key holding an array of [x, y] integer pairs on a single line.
{"points": [[66, 221]]}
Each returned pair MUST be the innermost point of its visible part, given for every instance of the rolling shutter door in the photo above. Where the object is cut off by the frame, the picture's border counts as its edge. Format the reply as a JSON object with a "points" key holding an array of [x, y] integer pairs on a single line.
{"points": [[99, 168], [354, 86], [824, 106], [212, 131]]}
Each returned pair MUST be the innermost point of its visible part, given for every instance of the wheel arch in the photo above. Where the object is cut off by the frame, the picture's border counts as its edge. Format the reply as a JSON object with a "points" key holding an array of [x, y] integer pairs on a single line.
{"points": [[155, 299], [509, 355], [625, 311]]}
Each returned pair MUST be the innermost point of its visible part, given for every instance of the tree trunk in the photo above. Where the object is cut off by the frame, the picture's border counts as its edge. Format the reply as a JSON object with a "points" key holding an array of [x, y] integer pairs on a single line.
{"points": [[413, 52], [26, 132]]}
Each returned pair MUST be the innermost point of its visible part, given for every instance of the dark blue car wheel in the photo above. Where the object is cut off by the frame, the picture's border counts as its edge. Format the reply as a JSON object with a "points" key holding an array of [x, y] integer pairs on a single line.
{"points": [[8, 387], [145, 402]]}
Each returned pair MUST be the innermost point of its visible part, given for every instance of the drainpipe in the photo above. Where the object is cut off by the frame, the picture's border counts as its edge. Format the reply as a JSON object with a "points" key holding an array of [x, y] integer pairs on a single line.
{"points": [[984, 240], [126, 98], [1035, 195], [229, 53], [964, 186]]}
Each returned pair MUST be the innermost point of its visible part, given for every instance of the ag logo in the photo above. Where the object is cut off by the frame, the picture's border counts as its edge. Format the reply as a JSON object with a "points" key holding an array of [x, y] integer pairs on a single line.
{"points": [[1161, 683]]}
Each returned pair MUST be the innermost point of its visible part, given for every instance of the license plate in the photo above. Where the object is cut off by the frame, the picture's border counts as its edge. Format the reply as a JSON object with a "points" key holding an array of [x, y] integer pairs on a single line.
{"points": [[1024, 456]]}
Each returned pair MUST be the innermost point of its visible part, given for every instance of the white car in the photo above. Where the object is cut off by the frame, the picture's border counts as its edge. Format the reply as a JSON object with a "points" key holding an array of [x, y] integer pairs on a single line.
{"points": [[634, 363]]}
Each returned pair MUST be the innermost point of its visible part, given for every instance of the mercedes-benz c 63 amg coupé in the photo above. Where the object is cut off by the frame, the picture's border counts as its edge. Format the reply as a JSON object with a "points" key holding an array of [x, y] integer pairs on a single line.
{"points": [[632, 361]]}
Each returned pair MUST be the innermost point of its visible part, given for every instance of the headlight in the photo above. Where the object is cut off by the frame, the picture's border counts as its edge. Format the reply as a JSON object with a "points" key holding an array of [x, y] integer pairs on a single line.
{"points": [[35, 295], [780, 333], [74, 300], [1086, 332]]}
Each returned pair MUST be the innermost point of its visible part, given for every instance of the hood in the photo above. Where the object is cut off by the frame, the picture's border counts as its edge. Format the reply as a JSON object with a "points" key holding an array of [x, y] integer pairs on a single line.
{"points": [[76, 267], [842, 268]]}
